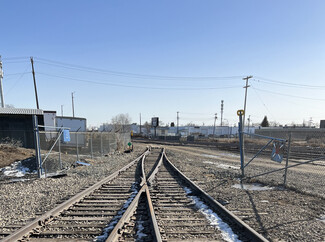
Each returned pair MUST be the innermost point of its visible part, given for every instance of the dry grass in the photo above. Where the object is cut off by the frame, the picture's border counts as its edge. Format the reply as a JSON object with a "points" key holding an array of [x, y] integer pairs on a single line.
{"points": [[10, 153]]}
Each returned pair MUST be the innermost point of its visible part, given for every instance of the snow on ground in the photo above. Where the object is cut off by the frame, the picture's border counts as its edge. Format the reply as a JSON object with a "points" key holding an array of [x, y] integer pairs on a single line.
{"points": [[322, 218], [253, 187], [107, 230], [220, 155], [222, 166], [226, 231], [15, 170], [140, 229]]}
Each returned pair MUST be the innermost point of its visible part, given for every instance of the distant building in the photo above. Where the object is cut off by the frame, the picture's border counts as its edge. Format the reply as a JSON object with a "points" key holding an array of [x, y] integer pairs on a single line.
{"points": [[73, 123], [77, 127]]}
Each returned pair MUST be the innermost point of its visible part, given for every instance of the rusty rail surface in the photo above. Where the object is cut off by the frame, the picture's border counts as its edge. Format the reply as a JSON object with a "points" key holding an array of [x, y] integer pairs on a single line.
{"points": [[48, 216], [117, 232], [217, 207]]}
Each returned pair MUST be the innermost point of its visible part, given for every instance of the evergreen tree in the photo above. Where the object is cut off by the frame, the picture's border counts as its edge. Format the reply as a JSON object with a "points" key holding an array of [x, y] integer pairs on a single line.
{"points": [[265, 122]]}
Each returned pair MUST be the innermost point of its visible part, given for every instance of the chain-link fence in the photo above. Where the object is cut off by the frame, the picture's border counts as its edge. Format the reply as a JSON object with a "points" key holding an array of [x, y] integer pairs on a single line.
{"points": [[82, 147], [302, 166]]}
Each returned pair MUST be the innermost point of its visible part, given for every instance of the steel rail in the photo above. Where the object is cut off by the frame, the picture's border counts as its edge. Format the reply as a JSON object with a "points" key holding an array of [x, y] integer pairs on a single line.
{"points": [[154, 172], [154, 222], [251, 233], [48, 216], [116, 232]]}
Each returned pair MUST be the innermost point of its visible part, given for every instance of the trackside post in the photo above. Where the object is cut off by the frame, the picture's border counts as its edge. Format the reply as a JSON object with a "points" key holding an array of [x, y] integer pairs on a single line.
{"points": [[240, 131], [37, 146]]}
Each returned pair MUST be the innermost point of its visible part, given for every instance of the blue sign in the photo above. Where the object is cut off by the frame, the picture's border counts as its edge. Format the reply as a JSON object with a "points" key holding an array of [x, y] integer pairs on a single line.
{"points": [[66, 136]]}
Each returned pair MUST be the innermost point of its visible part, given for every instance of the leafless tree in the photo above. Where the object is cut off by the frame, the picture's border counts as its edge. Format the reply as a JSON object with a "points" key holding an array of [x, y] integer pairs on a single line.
{"points": [[147, 127], [121, 122]]}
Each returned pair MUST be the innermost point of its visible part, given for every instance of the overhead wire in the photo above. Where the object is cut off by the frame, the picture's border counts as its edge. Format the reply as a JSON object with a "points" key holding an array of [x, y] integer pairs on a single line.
{"points": [[18, 80], [262, 102], [14, 74], [15, 58], [133, 86], [288, 84], [288, 95], [129, 74]]}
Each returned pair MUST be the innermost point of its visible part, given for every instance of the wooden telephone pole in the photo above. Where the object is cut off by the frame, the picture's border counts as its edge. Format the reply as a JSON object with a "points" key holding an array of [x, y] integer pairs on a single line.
{"points": [[246, 86], [36, 96]]}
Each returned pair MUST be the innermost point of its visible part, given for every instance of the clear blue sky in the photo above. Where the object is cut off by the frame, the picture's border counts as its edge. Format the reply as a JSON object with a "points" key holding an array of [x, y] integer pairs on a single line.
{"points": [[171, 45]]}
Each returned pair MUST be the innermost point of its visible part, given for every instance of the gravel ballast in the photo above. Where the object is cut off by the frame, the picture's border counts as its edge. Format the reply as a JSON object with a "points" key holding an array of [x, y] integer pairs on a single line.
{"points": [[277, 213], [22, 201]]}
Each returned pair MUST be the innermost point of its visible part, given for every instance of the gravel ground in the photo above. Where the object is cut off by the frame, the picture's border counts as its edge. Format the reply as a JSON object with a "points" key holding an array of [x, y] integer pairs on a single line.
{"points": [[279, 214], [24, 200]]}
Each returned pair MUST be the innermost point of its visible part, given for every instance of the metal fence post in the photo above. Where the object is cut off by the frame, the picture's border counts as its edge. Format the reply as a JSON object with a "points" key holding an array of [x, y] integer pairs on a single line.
{"points": [[287, 161], [101, 144], [60, 151], [37, 147], [91, 145], [77, 146]]}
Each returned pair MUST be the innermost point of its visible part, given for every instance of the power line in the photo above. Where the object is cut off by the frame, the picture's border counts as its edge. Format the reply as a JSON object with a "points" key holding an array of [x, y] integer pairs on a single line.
{"points": [[140, 87], [287, 95], [262, 102], [16, 58], [128, 74], [18, 79], [15, 62], [14, 74], [288, 84]]}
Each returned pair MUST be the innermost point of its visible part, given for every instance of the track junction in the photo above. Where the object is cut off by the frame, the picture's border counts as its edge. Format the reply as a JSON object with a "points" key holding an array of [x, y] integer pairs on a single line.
{"points": [[147, 200]]}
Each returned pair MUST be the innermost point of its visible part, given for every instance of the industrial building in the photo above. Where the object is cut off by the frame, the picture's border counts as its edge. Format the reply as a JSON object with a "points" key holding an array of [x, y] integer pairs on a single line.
{"points": [[16, 124]]}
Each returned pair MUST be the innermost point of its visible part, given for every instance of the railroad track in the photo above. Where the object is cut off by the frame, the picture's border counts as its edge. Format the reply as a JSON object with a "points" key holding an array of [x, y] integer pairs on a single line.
{"points": [[147, 200], [298, 154]]}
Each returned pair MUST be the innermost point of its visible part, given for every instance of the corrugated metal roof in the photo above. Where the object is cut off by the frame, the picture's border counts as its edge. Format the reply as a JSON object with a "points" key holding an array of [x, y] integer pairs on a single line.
{"points": [[25, 111]]}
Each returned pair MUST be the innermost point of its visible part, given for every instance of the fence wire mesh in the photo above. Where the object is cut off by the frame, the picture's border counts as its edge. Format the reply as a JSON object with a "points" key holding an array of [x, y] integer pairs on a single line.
{"points": [[305, 157], [82, 147]]}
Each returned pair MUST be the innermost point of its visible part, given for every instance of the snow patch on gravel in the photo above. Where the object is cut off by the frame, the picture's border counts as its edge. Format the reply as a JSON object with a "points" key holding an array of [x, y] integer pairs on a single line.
{"points": [[226, 231], [322, 218], [220, 156], [140, 228], [107, 230], [16, 169], [253, 187], [222, 166]]}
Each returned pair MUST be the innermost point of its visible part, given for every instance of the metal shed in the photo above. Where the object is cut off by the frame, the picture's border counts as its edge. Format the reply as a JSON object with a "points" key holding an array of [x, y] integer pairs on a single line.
{"points": [[16, 124]]}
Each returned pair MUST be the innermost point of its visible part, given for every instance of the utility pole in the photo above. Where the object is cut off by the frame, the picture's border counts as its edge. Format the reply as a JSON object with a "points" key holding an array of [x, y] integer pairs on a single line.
{"points": [[36, 96], [177, 121], [1, 89], [72, 103], [214, 126], [246, 86], [140, 123], [62, 110], [221, 112]]}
